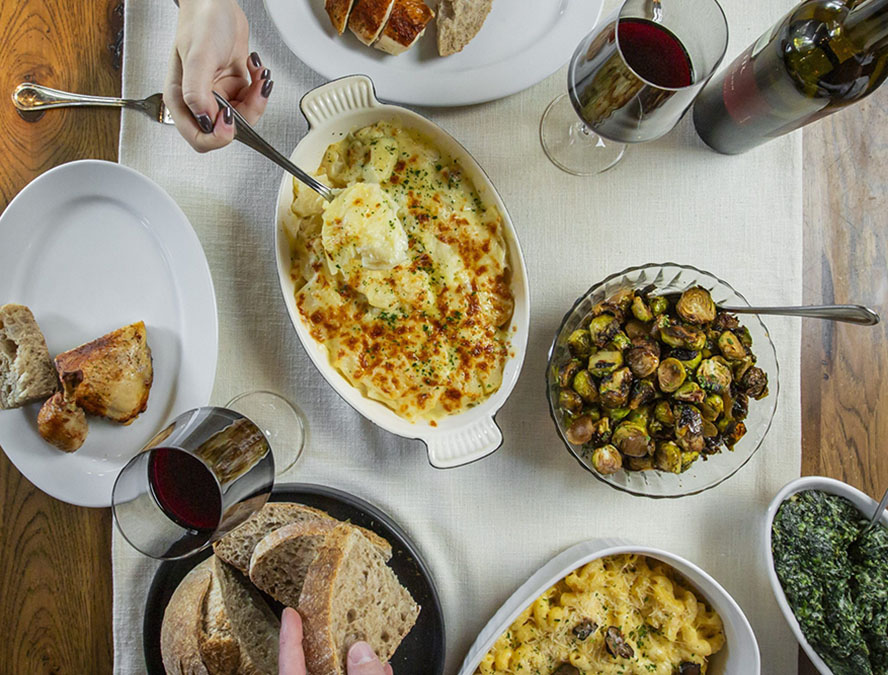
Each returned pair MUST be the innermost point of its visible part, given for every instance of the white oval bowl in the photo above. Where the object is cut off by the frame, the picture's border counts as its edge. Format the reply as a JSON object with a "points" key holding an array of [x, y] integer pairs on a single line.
{"points": [[740, 655], [865, 504], [333, 110]]}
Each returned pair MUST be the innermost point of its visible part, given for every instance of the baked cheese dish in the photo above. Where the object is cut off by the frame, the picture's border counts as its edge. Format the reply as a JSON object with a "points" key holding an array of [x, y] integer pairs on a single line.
{"points": [[619, 614], [404, 277]]}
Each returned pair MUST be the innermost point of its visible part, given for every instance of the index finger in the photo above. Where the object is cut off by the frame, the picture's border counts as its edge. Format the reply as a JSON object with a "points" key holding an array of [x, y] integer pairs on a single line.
{"points": [[291, 658]]}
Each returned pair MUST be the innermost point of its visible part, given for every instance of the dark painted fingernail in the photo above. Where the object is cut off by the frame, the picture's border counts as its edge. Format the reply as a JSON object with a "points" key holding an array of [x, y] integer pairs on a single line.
{"points": [[227, 114], [266, 88], [254, 57], [205, 123], [265, 74]]}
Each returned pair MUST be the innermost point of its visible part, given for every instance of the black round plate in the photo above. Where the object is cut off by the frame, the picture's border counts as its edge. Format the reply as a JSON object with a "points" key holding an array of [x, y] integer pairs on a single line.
{"points": [[422, 651]]}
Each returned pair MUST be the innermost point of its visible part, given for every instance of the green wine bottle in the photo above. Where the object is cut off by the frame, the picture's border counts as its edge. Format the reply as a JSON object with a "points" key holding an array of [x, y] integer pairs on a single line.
{"points": [[823, 56]]}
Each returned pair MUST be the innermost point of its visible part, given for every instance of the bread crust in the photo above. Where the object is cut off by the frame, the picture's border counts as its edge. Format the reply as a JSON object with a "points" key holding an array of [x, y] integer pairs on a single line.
{"points": [[338, 11], [368, 18], [405, 26], [26, 370], [180, 632], [459, 21]]}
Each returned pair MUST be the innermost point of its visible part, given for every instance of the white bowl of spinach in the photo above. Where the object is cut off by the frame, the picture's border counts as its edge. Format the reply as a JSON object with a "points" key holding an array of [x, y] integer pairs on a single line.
{"points": [[831, 583]]}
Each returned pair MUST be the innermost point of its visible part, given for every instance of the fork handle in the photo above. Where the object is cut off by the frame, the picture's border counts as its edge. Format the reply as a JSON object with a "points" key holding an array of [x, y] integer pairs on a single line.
{"points": [[31, 97]]}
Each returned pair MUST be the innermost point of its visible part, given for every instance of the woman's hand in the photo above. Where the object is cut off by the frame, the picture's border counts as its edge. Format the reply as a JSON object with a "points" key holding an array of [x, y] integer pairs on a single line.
{"points": [[361, 659], [211, 53]]}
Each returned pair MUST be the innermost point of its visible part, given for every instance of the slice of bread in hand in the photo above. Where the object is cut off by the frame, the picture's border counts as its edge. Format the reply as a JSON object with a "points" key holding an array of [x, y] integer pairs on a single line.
{"points": [[236, 547], [281, 560], [26, 370], [459, 22], [405, 26], [351, 595]]}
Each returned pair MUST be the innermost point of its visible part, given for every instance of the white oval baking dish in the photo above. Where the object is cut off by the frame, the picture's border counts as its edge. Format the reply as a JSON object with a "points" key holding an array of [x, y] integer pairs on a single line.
{"points": [[867, 507], [740, 655], [332, 111]]}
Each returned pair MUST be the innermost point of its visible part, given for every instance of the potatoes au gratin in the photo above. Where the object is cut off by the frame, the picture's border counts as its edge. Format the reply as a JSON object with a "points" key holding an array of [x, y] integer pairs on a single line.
{"points": [[625, 614], [404, 277]]}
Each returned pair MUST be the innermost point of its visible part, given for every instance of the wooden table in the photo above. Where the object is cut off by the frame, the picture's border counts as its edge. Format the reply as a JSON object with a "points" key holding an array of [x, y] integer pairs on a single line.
{"points": [[55, 566]]}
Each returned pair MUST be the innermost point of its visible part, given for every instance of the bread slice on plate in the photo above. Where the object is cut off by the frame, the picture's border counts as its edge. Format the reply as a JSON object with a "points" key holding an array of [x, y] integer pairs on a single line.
{"points": [[405, 26], [368, 18], [459, 22], [236, 547], [281, 560], [349, 595], [26, 370], [338, 11], [117, 373]]}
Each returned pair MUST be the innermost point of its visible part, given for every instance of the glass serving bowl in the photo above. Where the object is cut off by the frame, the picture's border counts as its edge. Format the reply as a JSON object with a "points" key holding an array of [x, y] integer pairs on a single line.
{"points": [[706, 472]]}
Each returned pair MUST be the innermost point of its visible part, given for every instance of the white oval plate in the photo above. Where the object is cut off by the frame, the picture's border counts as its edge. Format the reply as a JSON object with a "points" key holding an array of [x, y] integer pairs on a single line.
{"points": [[863, 502], [91, 246], [740, 655], [521, 43]]}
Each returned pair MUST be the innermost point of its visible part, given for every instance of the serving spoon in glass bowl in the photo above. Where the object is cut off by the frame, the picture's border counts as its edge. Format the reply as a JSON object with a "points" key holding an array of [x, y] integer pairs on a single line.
{"points": [[862, 316]]}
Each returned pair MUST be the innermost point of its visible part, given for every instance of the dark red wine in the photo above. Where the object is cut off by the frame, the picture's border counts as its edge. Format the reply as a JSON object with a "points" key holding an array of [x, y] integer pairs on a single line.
{"points": [[654, 53], [185, 489]]}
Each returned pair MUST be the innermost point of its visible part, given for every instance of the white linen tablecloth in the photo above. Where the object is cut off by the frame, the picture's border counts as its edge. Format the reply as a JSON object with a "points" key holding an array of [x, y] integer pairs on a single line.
{"points": [[486, 527]]}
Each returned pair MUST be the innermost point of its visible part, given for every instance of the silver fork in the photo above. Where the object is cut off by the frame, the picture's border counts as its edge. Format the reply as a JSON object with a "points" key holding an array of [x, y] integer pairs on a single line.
{"points": [[32, 99]]}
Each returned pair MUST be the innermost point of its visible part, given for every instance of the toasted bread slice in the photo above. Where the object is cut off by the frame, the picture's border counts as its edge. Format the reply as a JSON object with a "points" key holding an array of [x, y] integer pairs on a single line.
{"points": [[459, 22], [338, 11], [405, 26], [117, 373], [236, 547], [368, 18], [26, 371], [351, 595]]}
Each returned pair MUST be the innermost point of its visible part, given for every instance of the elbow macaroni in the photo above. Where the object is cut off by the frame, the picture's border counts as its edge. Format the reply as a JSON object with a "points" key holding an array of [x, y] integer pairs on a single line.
{"points": [[663, 620]]}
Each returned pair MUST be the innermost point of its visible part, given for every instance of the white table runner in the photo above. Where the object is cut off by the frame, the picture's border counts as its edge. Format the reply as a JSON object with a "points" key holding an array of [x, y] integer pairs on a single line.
{"points": [[486, 527]]}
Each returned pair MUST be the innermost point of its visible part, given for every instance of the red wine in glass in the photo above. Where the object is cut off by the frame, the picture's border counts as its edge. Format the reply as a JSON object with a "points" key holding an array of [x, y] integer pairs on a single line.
{"points": [[185, 488]]}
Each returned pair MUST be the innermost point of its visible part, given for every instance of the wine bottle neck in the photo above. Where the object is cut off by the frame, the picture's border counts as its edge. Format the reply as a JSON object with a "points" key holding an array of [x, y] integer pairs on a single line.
{"points": [[867, 23]]}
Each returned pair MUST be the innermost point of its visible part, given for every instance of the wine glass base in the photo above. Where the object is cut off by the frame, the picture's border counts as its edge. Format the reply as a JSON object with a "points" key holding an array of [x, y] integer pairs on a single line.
{"points": [[572, 146], [282, 423]]}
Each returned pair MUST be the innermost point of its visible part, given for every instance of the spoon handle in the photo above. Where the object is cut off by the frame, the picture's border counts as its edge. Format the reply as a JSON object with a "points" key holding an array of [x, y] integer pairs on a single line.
{"points": [[244, 133], [880, 509], [858, 314]]}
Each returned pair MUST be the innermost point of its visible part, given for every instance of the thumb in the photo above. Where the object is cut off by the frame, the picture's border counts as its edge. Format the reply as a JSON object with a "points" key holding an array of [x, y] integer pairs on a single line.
{"points": [[198, 73], [363, 661]]}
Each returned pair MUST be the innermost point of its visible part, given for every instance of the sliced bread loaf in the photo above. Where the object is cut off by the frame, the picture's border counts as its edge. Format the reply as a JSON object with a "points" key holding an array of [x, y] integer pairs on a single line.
{"points": [[281, 560], [180, 632], [349, 595], [236, 547], [459, 22], [26, 370]]}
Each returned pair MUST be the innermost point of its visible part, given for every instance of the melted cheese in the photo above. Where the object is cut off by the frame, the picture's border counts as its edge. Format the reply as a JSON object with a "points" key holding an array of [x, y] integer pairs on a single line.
{"points": [[404, 277]]}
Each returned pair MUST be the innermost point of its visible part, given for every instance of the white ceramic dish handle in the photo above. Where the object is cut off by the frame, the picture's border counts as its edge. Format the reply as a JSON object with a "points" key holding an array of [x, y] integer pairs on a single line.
{"points": [[448, 449], [331, 100]]}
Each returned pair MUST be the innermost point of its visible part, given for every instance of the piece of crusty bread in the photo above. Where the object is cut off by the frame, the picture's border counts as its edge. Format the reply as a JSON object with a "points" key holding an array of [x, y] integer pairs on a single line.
{"points": [[26, 370], [236, 547], [281, 560], [182, 623], [458, 22], [350, 595], [368, 18], [405, 26], [338, 11], [117, 373]]}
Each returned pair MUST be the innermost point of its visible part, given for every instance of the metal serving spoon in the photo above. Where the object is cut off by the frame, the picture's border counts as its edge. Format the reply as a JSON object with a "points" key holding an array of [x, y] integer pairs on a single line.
{"points": [[858, 314], [877, 515]]}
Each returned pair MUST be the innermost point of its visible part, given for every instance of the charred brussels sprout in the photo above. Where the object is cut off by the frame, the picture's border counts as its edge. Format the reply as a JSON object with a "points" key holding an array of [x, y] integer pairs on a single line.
{"points": [[632, 440], [689, 392], [641, 311], [685, 337], [724, 321], [643, 392], [581, 430], [668, 457], [640, 463], [740, 367], [743, 335], [604, 363], [663, 413], [642, 360], [584, 385], [689, 358], [567, 372], [730, 346], [734, 432], [602, 329], [696, 306], [601, 433], [636, 329], [617, 414], [712, 406], [658, 304], [607, 459], [570, 401], [671, 375], [580, 343], [689, 428], [740, 406], [615, 388], [714, 376], [709, 429], [688, 458], [755, 383], [621, 341]]}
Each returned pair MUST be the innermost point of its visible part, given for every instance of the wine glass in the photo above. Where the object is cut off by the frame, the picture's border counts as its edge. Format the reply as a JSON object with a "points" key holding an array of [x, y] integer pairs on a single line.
{"points": [[279, 419], [195, 481], [631, 80]]}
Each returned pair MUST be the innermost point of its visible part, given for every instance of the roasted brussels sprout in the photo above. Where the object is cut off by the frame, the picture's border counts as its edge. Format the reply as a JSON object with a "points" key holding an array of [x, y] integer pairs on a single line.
{"points": [[658, 304], [645, 463], [709, 429], [724, 321], [663, 413], [607, 459], [668, 457], [740, 406], [734, 432], [581, 430], [636, 329], [621, 341], [730, 346], [696, 306], [584, 385], [714, 376], [712, 406], [580, 343], [632, 440], [690, 358], [602, 329], [689, 428], [687, 337], [740, 367], [570, 400], [671, 375], [643, 392], [617, 414], [614, 389], [567, 371], [742, 333], [689, 392], [688, 458], [601, 433], [641, 311], [642, 361], [605, 362], [754, 383]]}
